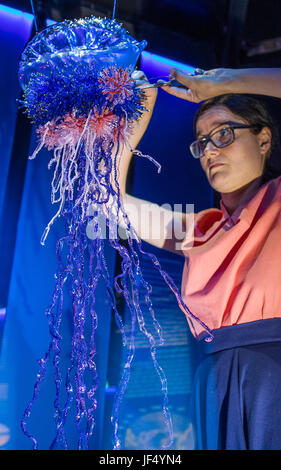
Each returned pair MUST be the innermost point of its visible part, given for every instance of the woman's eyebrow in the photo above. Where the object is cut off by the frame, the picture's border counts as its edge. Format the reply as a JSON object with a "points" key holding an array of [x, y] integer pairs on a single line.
{"points": [[216, 124]]}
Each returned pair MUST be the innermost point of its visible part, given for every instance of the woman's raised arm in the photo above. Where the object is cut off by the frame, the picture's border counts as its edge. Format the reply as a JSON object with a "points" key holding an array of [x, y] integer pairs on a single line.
{"points": [[156, 225], [196, 88]]}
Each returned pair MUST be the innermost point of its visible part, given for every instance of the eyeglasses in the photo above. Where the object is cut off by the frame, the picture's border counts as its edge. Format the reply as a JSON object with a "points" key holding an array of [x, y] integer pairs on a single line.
{"points": [[221, 138]]}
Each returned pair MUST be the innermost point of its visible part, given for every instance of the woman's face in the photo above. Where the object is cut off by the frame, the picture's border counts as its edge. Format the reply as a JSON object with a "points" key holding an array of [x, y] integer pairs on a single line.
{"points": [[231, 168]]}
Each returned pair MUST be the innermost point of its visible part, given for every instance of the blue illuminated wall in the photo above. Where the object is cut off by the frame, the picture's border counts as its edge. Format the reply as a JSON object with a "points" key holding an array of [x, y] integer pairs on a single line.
{"points": [[26, 334], [15, 28]]}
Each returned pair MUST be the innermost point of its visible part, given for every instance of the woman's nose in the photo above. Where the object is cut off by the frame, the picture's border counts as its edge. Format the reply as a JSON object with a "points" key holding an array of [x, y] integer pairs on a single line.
{"points": [[210, 148], [210, 151]]}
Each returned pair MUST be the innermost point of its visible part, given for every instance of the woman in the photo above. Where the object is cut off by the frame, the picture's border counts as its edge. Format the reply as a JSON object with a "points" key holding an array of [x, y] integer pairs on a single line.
{"points": [[232, 271]]}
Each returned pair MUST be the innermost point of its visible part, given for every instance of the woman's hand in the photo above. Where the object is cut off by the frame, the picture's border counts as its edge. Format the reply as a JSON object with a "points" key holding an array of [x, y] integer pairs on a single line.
{"points": [[200, 87], [139, 127], [150, 93]]}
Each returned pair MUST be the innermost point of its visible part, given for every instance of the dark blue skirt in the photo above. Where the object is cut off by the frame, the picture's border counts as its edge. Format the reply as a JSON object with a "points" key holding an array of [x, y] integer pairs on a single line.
{"points": [[236, 400]]}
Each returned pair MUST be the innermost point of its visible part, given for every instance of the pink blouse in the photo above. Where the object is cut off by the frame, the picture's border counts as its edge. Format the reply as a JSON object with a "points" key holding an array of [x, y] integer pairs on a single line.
{"points": [[232, 270]]}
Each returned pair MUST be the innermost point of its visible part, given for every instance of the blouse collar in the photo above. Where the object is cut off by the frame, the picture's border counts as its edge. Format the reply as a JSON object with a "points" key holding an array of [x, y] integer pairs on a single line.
{"points": [[248, 203]]}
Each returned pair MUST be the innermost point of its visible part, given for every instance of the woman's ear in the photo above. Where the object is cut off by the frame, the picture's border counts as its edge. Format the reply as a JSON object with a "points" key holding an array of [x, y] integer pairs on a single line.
{"points": [[264, 139]]}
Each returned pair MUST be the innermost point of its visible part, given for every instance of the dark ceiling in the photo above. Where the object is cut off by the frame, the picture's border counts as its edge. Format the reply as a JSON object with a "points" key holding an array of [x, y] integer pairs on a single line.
{"points": [[203, 33]]}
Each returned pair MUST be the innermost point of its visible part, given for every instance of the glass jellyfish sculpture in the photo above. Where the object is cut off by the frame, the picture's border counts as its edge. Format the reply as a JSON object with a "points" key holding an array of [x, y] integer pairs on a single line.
{"points": [[78, 92]]}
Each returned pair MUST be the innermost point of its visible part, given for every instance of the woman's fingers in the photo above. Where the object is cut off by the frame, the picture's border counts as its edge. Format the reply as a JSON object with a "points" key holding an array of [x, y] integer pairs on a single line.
{"points": [[188, 85], [201, 85], [139, 77], [150, 93], [184, 78], [183, 93]]}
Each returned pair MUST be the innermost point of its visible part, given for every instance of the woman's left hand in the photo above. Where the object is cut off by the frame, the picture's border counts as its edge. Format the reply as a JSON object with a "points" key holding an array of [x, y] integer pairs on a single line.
{"points": [[202, 86]]}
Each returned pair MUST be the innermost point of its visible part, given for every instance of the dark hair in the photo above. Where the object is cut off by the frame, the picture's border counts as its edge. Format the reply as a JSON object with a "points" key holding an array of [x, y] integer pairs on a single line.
{"points": [[255, 112]]}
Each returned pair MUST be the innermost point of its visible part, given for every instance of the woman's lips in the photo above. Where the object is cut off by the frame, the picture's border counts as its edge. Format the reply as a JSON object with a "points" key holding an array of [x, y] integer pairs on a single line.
{"points": [[214, 165]]}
